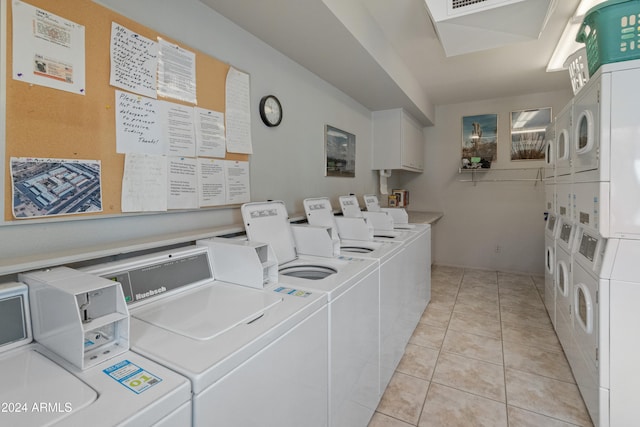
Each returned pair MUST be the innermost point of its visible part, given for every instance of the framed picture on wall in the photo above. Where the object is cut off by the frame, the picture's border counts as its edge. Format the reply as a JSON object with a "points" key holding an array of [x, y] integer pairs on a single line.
{"points": [[479, 141], [528, 128], [340, 152]]}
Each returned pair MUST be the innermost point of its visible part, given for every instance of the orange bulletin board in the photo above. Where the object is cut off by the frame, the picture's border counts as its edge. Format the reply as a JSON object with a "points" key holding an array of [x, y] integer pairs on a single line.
{"points": [[50, 123]]}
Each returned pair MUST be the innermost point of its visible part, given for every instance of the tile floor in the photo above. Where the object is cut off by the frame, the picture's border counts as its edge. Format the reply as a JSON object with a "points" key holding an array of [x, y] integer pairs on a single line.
{"points": [[484, 354]]}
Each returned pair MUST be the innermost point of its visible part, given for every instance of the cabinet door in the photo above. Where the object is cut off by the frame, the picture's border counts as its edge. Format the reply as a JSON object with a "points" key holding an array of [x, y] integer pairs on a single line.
{"points": [[412, 144]]}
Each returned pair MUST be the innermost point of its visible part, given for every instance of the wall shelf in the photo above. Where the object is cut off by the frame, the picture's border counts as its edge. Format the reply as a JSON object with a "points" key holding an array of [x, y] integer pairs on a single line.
{"points": [[501, 175]]}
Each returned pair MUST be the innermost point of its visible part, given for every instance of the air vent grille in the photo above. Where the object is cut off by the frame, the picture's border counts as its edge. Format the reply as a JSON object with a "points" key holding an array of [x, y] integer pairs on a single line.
{"points": [[456, 4]]}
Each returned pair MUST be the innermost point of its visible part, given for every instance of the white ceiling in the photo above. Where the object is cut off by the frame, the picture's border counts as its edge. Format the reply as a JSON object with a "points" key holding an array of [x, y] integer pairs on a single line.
{"points": [[310, 33]]}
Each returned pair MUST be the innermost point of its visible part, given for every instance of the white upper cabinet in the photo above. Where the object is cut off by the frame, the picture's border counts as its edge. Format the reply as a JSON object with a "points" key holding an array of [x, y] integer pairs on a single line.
{"points": [[398, 141]]}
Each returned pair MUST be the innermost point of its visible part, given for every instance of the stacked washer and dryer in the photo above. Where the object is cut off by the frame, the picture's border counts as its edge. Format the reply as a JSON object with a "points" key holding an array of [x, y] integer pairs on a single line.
{"points": [[595, 301]]}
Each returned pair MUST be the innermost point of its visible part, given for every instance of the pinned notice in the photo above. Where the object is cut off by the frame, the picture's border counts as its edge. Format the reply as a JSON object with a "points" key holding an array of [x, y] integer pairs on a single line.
{"points": [[47, 50], [138, 125], [134, 61]]}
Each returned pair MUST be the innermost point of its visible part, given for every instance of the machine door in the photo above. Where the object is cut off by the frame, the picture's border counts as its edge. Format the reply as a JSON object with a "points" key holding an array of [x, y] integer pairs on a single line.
{"points": [[563, 152], [550, 260], [585, 319], [585, 142], [550, 156], [563, 282], [549, 286]]}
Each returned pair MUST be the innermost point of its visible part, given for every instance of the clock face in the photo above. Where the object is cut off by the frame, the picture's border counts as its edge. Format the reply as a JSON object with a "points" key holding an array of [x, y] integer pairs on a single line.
{"points": [[270, 110]]}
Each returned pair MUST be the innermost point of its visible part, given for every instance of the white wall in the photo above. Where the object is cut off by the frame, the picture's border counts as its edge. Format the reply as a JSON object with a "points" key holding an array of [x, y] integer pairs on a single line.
{"points": [[287, 163], [477, 219]]}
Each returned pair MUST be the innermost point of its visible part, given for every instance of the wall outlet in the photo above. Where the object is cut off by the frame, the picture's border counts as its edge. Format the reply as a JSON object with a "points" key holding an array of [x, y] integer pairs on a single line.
{"points": [[498, 249]]}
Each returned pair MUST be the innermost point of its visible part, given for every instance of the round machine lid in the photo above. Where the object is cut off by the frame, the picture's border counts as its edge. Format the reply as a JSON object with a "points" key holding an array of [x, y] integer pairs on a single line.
{"points": [[208, 311], [41, 391], [268, 222]]}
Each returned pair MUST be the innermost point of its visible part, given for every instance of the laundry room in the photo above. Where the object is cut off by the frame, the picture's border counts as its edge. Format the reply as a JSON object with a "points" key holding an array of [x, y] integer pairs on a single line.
{"points": [[363, 169]]}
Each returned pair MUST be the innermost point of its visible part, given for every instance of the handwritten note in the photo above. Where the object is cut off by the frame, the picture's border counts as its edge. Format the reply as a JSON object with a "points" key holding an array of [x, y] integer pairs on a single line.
{"points": [[210, 133], [138, 125], [144, 183], [238, 112], [134, 61]]}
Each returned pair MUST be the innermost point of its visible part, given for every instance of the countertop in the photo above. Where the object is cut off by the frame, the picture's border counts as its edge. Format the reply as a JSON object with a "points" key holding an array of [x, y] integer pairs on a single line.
{"points": [[424, 217]]}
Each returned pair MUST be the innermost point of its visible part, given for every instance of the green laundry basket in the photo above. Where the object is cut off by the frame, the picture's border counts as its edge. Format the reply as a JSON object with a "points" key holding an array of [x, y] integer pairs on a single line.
{"points": [[611, 32]]}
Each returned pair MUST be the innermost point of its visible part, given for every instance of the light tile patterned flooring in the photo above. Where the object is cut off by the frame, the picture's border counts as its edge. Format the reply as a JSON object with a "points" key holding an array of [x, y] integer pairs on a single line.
{"points": [[484, 354]]}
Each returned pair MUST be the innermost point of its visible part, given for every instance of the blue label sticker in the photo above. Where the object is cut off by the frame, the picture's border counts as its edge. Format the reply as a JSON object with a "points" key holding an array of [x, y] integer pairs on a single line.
{"points": [[291, 291], [132, 376]]}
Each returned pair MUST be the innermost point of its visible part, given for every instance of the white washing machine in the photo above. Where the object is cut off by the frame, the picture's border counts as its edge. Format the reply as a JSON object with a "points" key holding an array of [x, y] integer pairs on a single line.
{"points": [[591, 276], [417, 243], [550, 267], [563, 144], [254, 356], [395, 294], [352, 288], [565, 231], [39, 387], [382, 222]]}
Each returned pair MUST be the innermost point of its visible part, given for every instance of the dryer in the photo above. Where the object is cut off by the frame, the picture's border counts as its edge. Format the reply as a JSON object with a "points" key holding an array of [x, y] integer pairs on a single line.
{"points": [[39, 387], [253, 356], [590, 296], [351, 286]]}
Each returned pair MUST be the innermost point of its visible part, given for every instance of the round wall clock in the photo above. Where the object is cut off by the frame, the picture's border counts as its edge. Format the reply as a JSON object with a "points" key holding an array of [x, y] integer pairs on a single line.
{"points": [[270, 110]]}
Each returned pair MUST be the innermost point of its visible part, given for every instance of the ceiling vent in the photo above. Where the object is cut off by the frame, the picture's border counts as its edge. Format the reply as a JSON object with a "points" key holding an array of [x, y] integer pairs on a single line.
{"points": [[465, 26]]}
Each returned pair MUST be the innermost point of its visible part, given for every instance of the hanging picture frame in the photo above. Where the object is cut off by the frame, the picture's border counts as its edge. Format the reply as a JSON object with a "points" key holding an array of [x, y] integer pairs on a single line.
{"points": [[479, 141], [340, 152], [528, 130]]}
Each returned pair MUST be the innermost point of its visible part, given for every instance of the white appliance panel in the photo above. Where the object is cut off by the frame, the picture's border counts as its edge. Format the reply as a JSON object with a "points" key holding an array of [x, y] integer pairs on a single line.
{"points": [[591, 202], [565, 200], [291, 369], [625, 155], [550, 198]]}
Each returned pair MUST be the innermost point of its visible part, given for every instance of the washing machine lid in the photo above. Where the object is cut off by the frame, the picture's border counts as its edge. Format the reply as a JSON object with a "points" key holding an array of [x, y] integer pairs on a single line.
{"points": [[208, 310], [30, 378], [268, 222], [319, 212], [350, 206]]}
